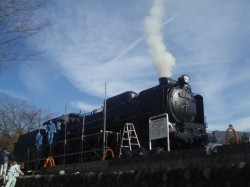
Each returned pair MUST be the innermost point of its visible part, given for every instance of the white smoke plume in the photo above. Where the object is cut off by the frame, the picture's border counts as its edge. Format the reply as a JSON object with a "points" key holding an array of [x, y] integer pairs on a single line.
{"points": [[162, 59]]}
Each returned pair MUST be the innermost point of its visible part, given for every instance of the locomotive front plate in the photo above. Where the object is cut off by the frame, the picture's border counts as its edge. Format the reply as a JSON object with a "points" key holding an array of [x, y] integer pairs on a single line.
{"points": [[182, 105]]}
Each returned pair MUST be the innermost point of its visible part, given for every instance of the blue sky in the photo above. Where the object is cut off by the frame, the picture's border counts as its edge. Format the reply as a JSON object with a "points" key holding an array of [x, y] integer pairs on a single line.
{"points": [[93, 42]]}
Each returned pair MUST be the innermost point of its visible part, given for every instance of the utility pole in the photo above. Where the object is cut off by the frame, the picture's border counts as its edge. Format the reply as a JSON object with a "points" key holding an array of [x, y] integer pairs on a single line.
{"points": [[65, 135], [104, 128], [83, 122]]}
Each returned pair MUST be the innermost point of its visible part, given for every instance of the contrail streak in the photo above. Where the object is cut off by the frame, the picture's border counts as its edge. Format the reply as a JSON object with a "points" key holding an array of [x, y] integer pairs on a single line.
{"points": [[135, 43]]}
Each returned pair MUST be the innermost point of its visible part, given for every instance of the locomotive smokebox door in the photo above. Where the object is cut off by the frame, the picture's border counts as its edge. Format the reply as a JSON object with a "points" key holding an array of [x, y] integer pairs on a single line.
{"points": [[182, 105]]}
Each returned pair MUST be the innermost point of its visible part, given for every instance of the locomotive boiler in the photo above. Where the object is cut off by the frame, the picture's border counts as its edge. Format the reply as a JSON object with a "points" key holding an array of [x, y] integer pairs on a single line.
{"points": [[80, 137]]}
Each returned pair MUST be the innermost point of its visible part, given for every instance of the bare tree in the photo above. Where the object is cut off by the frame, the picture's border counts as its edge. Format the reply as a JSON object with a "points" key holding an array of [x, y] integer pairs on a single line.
{"points": [[16, 25], [18, 117]]}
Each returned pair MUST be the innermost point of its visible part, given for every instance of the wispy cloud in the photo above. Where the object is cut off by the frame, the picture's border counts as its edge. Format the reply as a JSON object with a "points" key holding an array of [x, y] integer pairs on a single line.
{"points": [[38, 76], [208, 37], [95, 42], [12, 94], [89, 51], [84, 106]]}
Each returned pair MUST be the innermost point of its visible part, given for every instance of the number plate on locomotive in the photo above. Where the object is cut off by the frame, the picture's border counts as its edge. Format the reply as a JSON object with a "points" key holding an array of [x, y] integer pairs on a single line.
{"points": [[185, 95]]}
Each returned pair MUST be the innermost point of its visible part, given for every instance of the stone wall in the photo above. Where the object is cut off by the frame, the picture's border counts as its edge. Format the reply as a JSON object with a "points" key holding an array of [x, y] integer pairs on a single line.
{"points": [[229, 167], [222, 176]]}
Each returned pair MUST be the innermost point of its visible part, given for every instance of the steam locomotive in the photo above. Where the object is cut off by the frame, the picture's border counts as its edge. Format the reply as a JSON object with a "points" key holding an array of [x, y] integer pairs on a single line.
{"points": [[81, 137]]}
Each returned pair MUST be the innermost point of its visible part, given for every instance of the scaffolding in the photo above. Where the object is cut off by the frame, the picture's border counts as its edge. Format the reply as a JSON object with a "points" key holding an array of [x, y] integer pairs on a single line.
{"points": [[73, 145]]}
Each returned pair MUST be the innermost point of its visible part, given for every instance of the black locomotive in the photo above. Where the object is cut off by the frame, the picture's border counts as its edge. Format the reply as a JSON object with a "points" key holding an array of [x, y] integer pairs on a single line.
{"points": [[81, 135]]}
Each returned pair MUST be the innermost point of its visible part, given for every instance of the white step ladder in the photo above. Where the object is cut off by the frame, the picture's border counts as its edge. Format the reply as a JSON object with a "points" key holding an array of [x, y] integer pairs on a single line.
{"points": [[129, 138]]}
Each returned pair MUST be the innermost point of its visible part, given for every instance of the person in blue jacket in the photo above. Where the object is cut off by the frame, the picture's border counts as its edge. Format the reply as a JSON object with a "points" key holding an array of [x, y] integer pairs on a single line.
{"points": [[39, 141], [4, 158], [50, 129]]}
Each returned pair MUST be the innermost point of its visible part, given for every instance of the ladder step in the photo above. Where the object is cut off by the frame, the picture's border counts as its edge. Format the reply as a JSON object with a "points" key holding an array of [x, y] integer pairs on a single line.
{"points": [[129, 138], [125, 138]]}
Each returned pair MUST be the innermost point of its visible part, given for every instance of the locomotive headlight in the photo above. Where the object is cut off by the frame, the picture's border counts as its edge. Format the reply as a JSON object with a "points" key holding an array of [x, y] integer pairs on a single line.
{"points": [[186, 79]]}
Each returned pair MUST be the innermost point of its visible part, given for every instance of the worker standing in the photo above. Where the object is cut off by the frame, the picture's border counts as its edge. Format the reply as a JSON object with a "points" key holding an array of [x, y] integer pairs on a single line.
{"points": [[13, 172], [50, 129], [39, 141], [4, 159]]}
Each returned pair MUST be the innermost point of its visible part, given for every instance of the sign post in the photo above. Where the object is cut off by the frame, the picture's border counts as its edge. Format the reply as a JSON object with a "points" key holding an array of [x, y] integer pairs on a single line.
{"points": [[159, 128]]}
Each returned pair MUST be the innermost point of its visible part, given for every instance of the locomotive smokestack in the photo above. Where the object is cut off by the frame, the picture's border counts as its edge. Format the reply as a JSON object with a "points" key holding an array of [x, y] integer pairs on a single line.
{"points": [[163, 81], [167, 81]]}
